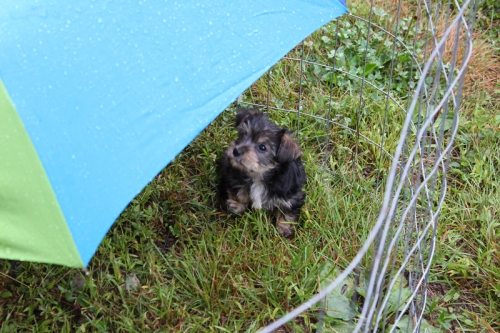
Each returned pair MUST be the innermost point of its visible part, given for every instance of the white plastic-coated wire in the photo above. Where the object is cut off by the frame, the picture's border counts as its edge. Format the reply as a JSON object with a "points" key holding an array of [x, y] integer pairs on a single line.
{"points": [[428, 151]]}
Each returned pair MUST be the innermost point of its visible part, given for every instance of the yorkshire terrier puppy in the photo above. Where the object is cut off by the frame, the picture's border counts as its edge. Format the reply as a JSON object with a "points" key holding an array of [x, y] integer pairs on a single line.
{"points": [[262, 169]]}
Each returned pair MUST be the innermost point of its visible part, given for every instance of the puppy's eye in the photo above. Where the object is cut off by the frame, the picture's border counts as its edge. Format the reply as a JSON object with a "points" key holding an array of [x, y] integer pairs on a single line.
{"points": [[262, 148]]}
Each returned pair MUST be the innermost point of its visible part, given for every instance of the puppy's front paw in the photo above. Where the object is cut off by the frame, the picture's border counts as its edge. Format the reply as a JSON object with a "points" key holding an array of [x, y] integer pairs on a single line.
{"points": [[285, 224], [235, 207], [285, 229]]}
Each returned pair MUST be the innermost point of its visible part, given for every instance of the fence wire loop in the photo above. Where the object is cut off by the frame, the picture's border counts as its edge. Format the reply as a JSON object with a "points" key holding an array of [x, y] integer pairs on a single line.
{"points": [[436, 39]]}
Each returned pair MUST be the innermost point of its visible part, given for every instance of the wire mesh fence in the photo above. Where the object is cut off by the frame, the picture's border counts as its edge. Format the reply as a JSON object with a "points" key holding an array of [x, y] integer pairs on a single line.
{"points": [[378, 91]]}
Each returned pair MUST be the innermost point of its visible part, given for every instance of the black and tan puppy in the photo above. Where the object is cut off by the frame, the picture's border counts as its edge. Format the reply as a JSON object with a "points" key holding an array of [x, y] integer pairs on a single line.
{"points": [[262, 169]]}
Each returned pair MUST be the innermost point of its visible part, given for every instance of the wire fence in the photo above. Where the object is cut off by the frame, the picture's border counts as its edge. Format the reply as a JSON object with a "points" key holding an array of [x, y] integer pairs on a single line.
{"points": [[406, 59]]}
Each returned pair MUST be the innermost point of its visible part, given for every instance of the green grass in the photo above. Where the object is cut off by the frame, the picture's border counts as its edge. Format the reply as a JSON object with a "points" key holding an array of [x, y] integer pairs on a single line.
{"points": [[198, 270], [173, 262], [467, 264]]}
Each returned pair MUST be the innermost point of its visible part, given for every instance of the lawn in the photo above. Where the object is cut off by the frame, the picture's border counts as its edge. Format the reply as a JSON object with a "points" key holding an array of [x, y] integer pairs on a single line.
{"points": [[175, 262]]}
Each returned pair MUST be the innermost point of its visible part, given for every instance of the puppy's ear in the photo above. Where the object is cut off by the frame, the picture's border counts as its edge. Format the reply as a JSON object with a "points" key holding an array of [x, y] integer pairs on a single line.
{"points": [[288, 150], [242, 113]]}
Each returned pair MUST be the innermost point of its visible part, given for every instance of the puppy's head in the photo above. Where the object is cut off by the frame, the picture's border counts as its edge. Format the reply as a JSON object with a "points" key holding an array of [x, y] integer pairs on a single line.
{"points": [[261, 145]]}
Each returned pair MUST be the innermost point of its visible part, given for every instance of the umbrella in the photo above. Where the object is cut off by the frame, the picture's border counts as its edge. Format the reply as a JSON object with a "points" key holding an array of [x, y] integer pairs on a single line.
{"points": [[96, 97]]}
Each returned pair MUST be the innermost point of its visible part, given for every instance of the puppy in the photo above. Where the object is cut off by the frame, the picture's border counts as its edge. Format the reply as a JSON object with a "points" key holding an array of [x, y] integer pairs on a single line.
{"points": [[262, 169]]}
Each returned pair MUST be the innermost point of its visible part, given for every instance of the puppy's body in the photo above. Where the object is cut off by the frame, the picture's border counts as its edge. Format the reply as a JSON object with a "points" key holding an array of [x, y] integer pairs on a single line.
{"points": [[262, 169]]}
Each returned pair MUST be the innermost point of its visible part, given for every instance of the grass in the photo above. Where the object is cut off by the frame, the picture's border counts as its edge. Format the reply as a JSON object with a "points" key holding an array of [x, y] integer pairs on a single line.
{"points": [[468, 264], [173, 262], [197, 269]]}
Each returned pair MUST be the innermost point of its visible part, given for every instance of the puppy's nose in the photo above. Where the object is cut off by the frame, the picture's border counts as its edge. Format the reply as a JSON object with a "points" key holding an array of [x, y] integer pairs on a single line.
{"points": [[236, 152]]}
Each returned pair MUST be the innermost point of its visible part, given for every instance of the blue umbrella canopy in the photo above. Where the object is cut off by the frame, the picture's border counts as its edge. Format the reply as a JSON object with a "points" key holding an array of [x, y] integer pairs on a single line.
{"points": [[96, 97]]}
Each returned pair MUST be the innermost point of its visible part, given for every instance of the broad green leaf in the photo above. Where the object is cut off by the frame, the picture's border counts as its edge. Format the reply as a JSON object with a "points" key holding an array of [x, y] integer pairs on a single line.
{"points": [[406, 325], [399, 295], [425, 327], [379, 12], [338, 302], [341, 327], [5, 294], [447, 123], [370, 67], [338, 306]]}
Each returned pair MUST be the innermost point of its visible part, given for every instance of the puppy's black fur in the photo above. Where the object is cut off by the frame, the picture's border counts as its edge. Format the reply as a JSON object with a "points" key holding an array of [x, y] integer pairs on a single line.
{"points": [[262, 168]]}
